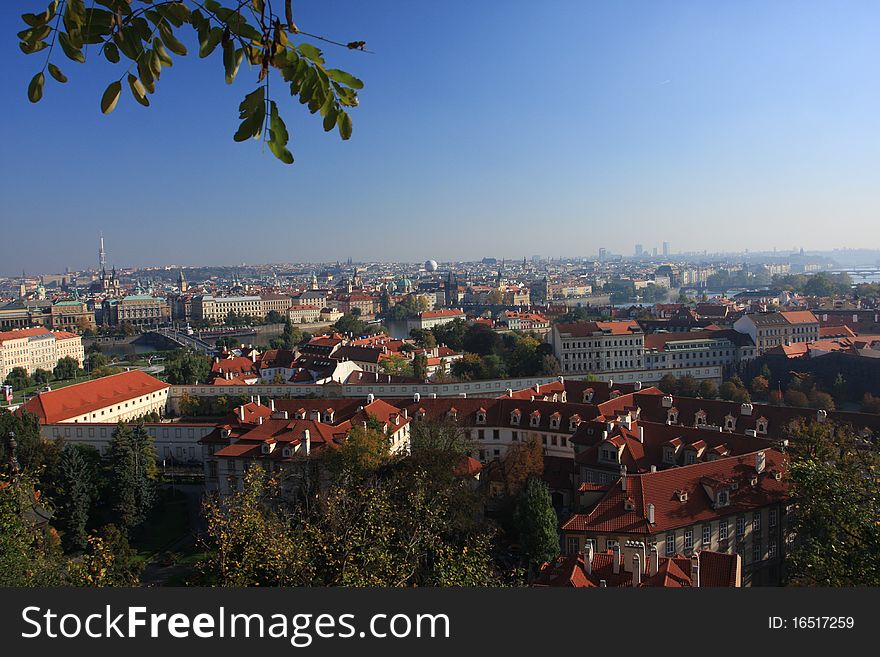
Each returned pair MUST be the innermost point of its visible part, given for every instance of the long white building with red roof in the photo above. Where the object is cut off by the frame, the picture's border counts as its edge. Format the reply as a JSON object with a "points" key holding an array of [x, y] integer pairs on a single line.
{"points": [[37, 348], [125, 396]]}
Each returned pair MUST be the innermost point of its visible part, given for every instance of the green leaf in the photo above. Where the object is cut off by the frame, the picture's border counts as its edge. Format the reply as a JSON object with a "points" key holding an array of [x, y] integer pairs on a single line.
{"points": [[111, 97], [35, 33], [278, 136], [330, 118], [138, 91], [35, 88], [231, 61], [161, 53], [344, 123], [170, 40], [253, 111], [72, 51], [345, 78], [111, 52], [213, 37], [56, 73], [31, 48], [41, 19], [309, 51]]}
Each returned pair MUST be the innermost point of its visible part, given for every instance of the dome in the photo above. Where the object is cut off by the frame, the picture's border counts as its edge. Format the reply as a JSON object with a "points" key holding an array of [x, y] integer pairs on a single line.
{"points": [[431, 265]]}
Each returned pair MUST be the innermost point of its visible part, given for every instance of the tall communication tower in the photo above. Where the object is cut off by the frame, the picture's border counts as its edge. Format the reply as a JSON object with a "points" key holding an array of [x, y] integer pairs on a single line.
{"points": [[101, 260]]}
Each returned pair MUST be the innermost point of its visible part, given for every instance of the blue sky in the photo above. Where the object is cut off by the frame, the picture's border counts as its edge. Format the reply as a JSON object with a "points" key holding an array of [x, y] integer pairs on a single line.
{"points": [[486, 128]]}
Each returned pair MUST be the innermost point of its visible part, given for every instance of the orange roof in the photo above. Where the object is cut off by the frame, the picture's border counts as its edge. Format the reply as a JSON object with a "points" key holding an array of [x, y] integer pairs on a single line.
{"points": [[428, 314], [799, 317], [24, 333], [82, 398]]}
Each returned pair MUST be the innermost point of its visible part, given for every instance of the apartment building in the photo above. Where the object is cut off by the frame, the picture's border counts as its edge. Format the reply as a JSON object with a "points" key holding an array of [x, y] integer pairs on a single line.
{"points": [[58, 315], [37, 348], [775, 329], [668, 351], [207, 307], [431, 318], [732, 505], [584, 347]]}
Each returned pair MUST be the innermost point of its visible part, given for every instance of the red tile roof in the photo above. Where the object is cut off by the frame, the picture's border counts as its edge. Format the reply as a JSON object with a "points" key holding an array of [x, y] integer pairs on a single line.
{"points": [[83, 398]]}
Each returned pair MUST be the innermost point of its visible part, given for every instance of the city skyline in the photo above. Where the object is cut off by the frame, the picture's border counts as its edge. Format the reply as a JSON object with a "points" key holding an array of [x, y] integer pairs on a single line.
{"points": [[657, 120]]}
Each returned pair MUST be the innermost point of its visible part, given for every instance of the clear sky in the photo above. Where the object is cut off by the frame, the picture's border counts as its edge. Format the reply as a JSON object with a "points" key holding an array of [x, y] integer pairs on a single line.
{"points": [[486, 128]]}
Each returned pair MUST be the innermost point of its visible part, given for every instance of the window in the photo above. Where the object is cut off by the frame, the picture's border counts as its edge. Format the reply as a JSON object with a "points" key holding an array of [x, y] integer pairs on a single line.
{"points": [[515, 435], [757, 554], [771, 550], [756, 521], [610, 543], [571, 545], [722, 530], [481, 435], [496, 434], [771, 517], [688, 540], [707, 536], [212, 469], [670, 544], [740, 527]]}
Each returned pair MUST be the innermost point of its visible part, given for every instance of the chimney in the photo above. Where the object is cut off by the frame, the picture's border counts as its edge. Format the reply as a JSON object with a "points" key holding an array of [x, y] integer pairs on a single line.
{"points": [[651, 514], [603, 584], [371, 398], [272, 405], [307, 441], [241, 413], [260, 420], [637, 386], [258, 400], [760, 461], [637, 569], [695, 570], [405, 414], [588, 557], [616, 558], [538, 387], [509, 392], [653, 468], [641, 434], [623, 477], [286, 415], [416, 397], [655, 558], [610, 383]]}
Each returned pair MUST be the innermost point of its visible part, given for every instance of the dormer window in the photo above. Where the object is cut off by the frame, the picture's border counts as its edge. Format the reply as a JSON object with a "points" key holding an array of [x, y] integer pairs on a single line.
{"points": [[266, 448], [535, 419], [672, 415], [555, 397], [481, 416], [563, 397], [761, 425], [681, 495], [286, 452], [729, 423], [722, 499], [573, 422], [700, 419], [668, 454], [554, 421], [614, 394], [588, 395], [629, 504], [515, 416], [690, 457], [452, 414], [608, 454]]}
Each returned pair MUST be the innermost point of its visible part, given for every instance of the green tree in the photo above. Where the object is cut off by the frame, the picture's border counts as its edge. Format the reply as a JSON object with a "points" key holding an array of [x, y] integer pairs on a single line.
{"points": [[291, 336], [274, 317], [688, 386], [708, 389], [187, 368], [840, 389], [424, 338], [396, 365], [536, 521], [143, 37], [41, 376], [132, 469], [796, 398], [28, 551], [669, 384], [18, 378], [66, 368], [420, 367], [95, 361], [451, 334], [833, 479], [108, 560], [365, 450], [550, 365], [77, 492], [760, 387], [521, 462], [727, 390]]}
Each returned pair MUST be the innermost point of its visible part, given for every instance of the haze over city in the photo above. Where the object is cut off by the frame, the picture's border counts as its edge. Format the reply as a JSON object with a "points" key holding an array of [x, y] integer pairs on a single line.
{"points": [[550, 128]]}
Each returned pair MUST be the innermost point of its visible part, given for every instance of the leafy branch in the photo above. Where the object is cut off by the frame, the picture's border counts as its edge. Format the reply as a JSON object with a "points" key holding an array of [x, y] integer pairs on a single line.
{"points": [[148, 35]]}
